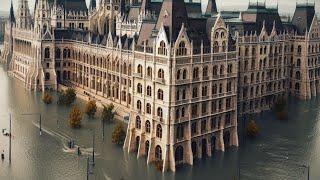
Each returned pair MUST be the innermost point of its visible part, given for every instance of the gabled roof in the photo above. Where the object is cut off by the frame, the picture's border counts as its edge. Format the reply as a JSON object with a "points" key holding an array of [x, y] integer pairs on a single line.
{"points": [[172, 15], [303, 17]]}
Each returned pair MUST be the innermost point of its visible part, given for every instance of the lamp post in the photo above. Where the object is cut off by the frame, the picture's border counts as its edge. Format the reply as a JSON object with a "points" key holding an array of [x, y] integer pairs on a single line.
{"points": [[308, 170], [93, 139], [88, 168], [10, 136]]}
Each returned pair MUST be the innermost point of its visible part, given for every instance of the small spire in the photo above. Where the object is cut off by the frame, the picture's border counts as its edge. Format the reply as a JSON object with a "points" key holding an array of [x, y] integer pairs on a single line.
{"points": [[11, 16], [92, 5]]}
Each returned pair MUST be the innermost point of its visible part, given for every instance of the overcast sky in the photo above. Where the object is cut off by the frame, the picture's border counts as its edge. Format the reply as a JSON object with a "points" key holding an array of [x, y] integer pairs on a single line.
{"points": [[286, 6]]}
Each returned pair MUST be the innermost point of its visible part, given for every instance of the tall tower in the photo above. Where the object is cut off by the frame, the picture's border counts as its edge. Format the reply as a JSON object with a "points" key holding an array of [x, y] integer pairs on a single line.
{"points": [[42, 16], [24, 16]]}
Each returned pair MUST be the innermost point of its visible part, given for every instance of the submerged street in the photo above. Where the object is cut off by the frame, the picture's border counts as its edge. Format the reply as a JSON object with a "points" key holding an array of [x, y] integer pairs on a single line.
{"points": [[280, 151]]}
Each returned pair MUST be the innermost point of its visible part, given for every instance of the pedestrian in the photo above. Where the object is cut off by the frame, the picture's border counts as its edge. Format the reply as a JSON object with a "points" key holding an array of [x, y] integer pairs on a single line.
{"points": [[79, 153]]}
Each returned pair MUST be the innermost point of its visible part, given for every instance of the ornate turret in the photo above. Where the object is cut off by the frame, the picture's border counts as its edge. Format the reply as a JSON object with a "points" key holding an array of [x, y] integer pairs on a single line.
{"points": [[24, 16]]}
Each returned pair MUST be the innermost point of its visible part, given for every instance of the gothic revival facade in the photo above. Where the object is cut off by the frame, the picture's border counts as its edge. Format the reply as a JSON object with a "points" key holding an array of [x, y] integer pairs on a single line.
{"points": [[183, 77]]}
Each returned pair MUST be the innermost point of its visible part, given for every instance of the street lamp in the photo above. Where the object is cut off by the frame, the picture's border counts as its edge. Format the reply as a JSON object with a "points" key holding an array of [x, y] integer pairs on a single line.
{"points": [[93, 138], [308, 170]]}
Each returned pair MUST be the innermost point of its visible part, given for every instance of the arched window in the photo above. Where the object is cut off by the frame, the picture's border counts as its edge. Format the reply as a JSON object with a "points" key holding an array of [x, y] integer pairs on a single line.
{"points": [[139, 88], [160, 94], [47, 76], [180, 131], [224, 46], [58, 53], [47, 53], [159, 131], [162, 48], [65, 53], [298, 62], [221, 70], [138, 122], [215, 71], [215, 47], [160, 112], [184, 75], [148, 108], [139, 105], [158, 153], [160, 73], [149, 91], [148, 126], [178, 74], [298, 76], [139, 69], [179, 154], [195, 73], [205, 71], [182, 50], [149, 72], [299, 49], [297, 87]]}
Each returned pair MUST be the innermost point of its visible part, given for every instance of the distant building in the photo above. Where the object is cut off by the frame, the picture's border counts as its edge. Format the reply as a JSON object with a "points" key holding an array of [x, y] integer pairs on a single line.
{"points": [[183, 77]]}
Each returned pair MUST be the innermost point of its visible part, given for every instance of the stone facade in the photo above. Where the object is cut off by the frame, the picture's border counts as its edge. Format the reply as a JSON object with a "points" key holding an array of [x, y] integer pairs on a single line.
{"points": [[183, 77]]}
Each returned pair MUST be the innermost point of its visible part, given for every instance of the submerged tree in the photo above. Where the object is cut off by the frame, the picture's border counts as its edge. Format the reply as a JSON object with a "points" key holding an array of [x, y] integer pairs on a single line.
{"points": [[118, 134], [281, 109], [67, 97], [75, 118], [107, 113], [47, 98], [91, 108], [253, 129]]}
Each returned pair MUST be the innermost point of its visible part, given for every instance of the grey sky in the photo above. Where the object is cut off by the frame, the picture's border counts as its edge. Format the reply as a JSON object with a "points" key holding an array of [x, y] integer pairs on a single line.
{"points": [[286, 6]]}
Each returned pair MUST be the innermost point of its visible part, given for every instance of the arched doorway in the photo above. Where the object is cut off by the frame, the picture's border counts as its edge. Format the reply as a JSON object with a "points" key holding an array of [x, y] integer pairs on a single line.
{"points": [[204, 147], [147, 145], [158, 153], [179, 155], [137, 142], [226, 139], [213, 144], [65, 75], [194, 149]]}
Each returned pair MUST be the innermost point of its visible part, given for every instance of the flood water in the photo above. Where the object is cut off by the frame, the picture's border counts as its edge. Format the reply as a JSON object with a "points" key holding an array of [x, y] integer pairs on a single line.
{"points": [[277, 153]]}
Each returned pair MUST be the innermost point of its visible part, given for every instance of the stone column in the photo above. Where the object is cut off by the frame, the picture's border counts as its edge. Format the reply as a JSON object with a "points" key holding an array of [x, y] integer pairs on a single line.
{"points": [[141, 148], [234, 136], [220, 141]]}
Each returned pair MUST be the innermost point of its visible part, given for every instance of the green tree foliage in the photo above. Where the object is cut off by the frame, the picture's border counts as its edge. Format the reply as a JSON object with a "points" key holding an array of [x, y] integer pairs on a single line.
{"points": [[253, 129], [91, 108], [75, 118], [118, 134], [67, 97], [107, 113], [47, 98]]}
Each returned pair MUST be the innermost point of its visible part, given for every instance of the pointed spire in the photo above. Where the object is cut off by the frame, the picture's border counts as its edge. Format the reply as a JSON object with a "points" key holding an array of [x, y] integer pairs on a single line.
{"points": [[211, 8], [122, 7], [11, 16], [92, 5], [145, 5]]}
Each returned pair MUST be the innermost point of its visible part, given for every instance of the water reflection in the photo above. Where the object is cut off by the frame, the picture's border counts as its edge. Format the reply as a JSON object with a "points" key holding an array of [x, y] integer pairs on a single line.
{"points": [[276, 154]]}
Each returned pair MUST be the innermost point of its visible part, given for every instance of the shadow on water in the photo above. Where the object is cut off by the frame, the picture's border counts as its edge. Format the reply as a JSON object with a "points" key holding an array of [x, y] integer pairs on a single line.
{"points": [[276, 154]]}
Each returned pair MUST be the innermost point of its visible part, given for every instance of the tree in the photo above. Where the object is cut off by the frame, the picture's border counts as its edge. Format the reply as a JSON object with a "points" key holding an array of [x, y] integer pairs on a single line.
{"points": [[67, 97], [252, 129], [70, 96], [107, 113], [118, 134], [281, 109], [75, 118], [159, 165], [91, 108], [47, 98]]}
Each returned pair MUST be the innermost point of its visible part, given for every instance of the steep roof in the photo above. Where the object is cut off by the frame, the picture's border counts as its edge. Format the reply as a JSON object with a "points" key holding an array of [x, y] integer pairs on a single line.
{"points": [[71, 5], [303, 17], [172, 15], [211, 8]]}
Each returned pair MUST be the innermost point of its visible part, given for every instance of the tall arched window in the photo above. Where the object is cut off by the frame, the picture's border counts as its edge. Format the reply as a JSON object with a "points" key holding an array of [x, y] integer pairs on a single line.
{"points": [[162, 48], [47, 53], [138, 122], [148, 108], [215, 47], [58, 53], [149, 91], [184, 75], [178, 74], [195, 73], [224, 46], [158, 153], [139, 88], [139, 105], [160, 73], [205, 71], [298, 76], [139, 69], [182, 50], [149, 72], [148, 126], [159, 131], [180, 131], [160, 94], [298, 62], [160, 112]]}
